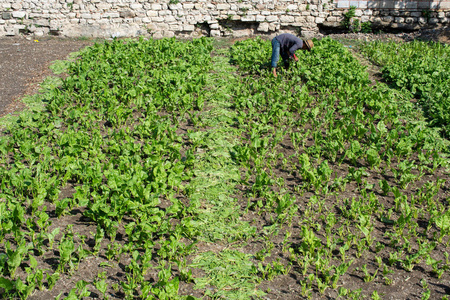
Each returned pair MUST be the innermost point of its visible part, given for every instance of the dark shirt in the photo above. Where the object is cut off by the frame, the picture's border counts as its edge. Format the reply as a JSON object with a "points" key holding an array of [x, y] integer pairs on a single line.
{"points": [[288, 44]]}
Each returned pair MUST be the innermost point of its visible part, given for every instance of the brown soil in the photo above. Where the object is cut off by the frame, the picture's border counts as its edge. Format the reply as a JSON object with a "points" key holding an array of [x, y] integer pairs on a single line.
{"points": [[24, 63]]}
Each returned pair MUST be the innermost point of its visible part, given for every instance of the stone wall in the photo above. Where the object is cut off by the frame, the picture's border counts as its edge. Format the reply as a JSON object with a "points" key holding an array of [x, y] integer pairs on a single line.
{"points": [[167, 18]]}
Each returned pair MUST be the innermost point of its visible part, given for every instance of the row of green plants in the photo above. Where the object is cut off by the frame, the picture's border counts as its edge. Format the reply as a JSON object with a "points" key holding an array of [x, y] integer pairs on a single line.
{"points": [[110, 133], [420, 68], [342, 132]]}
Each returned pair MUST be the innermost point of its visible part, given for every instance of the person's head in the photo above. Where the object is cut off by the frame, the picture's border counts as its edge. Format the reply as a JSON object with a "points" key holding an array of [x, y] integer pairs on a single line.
{"points": [[308, 45]]}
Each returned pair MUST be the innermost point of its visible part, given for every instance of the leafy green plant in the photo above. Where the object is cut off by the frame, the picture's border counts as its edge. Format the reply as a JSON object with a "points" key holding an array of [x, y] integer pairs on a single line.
{"points": [[346, 22]]}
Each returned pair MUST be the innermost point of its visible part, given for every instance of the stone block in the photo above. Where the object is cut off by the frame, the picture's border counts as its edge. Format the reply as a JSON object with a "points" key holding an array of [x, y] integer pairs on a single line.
{"points": [[343, 4], [6, 15], [433, 21], [377, 20], [387, 4], [168, 33], [308, 34], [274, 26], [423, 5], [169, 19], [16, 5], [103, 6], [223, 6], [175, 6], [152, 13], [332, 19], [19, 26], [188, 5], [242, 32], [354, 4], [111, 15], [399, 5], [437, 5], [127, 14], [156, 6], [286, 19], [214, 33], [188, 27], [174, 27], [271, 18], [292, 7], [319, 20], [260, 18], [19, 14], [163, 26], [399, 20], [158, 19], [11, 31], [136, 6], [365, 19], [248, 18], [86, 16], [411, 5], [373, 4], [263, 27]]}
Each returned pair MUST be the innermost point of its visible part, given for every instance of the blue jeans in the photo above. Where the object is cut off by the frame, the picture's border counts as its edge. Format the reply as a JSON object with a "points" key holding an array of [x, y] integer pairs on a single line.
{"points": [[275, 52]]}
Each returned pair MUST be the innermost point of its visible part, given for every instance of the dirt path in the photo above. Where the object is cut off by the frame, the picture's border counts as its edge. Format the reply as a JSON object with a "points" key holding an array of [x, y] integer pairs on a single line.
{"points": [[24, 63]]}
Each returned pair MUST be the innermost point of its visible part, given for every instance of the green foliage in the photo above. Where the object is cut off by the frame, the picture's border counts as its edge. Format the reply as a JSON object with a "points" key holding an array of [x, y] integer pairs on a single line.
{"points": [[366, 27], [348, 15], [231, 272], [421, 68]]}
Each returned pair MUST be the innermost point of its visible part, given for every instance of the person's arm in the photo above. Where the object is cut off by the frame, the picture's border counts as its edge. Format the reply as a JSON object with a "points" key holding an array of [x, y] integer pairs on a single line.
{"points": [[294, 48]]}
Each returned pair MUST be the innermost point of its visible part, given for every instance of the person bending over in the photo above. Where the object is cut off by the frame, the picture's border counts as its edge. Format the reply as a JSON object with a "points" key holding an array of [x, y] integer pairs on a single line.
{"points": [[285, 45]]}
